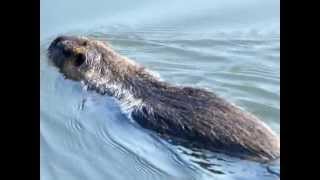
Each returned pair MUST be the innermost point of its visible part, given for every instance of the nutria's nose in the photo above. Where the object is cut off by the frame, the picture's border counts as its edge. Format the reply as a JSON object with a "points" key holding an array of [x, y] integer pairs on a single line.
{"points": [[58, 41]]}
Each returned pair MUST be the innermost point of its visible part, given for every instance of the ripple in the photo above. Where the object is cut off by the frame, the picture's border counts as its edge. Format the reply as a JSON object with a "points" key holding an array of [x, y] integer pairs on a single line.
{"points": [[90, 139], [140, 164], [245, 77], [74, 125]]}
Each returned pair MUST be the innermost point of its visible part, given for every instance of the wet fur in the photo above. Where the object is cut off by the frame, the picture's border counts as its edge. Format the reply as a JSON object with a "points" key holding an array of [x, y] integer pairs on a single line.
{"points": [[180, 113]]}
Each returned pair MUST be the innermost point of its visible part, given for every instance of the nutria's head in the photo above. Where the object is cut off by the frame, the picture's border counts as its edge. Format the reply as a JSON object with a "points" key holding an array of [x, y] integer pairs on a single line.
{"points": [[76, 57], [96, 64]]}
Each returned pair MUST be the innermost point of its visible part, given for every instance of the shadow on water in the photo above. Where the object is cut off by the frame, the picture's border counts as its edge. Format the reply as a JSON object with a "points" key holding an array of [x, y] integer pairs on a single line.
{"points": [[222, 166]]}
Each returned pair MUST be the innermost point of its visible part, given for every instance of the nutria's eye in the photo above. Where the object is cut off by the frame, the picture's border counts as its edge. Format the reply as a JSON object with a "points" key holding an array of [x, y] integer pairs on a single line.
{"points": [[66, 53], [80, 59], [85, 43]]}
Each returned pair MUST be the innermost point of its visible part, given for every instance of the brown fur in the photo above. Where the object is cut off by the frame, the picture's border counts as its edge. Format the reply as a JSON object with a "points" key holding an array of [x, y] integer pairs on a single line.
{"points": [[181, 113]]}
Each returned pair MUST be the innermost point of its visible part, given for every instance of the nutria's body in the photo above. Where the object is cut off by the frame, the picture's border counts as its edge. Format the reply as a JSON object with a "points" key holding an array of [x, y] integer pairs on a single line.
{"points": [[191, 114]]}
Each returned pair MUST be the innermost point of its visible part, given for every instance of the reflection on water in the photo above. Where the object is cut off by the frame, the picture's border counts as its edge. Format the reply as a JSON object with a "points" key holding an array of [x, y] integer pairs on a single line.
{"points": [[230, 48]]}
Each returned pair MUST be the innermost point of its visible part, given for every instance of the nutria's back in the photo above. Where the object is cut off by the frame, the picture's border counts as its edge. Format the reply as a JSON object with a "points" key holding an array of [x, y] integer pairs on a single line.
{"points": [[182, 113], [207, 121]]}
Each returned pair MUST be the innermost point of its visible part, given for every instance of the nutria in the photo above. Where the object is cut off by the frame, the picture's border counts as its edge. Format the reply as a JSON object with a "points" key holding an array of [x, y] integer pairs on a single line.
{"points": [[192, 114]]}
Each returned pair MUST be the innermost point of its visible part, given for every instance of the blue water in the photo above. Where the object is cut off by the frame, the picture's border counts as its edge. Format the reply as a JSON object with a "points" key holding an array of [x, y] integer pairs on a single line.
{"points": [[230, 47]]}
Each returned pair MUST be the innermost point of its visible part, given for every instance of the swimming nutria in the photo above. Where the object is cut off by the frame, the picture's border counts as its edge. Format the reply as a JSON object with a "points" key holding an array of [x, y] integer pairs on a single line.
{"points": [[187, 113]]}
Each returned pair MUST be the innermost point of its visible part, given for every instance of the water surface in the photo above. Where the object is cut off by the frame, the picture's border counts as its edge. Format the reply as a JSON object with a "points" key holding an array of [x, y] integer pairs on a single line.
{"points": [[228, 47]]}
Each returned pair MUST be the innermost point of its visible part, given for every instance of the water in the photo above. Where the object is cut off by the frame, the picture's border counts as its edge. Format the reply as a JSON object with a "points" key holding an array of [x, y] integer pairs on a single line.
{"points": [[229, 47]]}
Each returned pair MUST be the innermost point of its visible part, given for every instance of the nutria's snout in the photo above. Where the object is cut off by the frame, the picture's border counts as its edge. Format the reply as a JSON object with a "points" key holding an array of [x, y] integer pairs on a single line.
{"points": [[58, 41]]}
